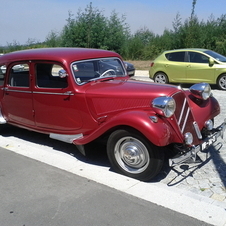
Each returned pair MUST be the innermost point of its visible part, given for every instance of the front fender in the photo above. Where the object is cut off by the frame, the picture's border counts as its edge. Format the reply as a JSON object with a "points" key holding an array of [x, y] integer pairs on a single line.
{"points": [[158, 133]]}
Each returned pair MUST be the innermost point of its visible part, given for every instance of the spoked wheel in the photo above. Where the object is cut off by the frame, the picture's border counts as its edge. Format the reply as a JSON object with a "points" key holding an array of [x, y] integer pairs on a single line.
{"points": [[132, 155], [221, 82], [161, 77]]}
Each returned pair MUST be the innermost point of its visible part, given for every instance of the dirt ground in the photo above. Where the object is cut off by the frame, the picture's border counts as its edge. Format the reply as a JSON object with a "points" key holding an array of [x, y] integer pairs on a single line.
{"points": [[140, 65]]}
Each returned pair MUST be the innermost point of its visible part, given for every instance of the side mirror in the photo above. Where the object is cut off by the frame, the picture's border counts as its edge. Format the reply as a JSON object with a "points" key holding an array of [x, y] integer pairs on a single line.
{"points": [[211, 61], [62, 73]]}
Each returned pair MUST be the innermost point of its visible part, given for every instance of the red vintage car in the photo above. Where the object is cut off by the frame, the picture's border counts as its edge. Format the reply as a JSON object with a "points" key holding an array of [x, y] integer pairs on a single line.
{"points": [[81, 95]]}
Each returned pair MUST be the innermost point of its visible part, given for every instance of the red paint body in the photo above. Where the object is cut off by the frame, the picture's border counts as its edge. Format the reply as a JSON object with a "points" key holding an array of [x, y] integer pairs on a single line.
{"points": [[96, 107]]}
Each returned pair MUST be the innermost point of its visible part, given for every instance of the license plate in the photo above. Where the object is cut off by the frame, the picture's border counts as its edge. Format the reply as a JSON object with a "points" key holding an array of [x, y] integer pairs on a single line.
{"points": [[206, 144]]}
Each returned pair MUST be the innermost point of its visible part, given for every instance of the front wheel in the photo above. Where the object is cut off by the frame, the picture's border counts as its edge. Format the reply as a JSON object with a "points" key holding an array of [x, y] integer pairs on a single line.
{"points": [[133, 155], [161, 77], [221, 82]]}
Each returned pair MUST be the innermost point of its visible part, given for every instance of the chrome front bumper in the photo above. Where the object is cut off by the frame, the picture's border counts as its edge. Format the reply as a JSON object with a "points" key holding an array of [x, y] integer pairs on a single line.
{"points": [[192, 152]]}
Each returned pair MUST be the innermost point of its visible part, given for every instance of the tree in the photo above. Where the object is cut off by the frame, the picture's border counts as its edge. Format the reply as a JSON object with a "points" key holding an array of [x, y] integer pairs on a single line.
{"points": [[53, 39], [86, 30], [117, 33], [193, 9], [177, 23]]}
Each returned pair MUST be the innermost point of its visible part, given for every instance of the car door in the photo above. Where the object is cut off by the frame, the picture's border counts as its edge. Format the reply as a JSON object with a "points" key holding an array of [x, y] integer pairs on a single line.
{"points": [[17, 96], [175, 67], [55, 105], [198, 69]]}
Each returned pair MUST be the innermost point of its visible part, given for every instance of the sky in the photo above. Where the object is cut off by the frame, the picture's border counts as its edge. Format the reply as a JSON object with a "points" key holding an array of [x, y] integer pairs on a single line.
{"points": [[26, 20]]}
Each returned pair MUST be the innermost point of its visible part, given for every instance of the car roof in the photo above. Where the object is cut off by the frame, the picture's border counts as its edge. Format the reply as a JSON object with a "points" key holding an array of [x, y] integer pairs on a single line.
{"points": [[187, 49], [63, 55]]}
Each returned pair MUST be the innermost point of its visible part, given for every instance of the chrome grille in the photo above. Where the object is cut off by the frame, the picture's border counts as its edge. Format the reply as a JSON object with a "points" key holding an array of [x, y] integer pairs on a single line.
{"points": [[184, 116]]}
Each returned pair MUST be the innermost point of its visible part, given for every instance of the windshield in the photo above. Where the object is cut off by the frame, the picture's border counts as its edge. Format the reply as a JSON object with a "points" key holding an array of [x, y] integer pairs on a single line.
{"points": [[215, 55], [89, 70]]}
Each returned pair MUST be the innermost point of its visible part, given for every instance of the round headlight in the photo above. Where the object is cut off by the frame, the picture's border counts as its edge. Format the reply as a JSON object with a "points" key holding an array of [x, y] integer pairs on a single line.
{"points": [[188, 138], [209, 124], [164, 106], [201, 90]]}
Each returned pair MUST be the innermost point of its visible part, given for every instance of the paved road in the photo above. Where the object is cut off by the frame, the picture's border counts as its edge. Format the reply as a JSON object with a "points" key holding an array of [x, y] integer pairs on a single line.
{"points": [[197, 190], [34, 193]]}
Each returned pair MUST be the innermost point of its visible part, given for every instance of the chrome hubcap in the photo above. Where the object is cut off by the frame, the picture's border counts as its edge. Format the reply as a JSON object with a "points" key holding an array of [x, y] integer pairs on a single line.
{"points": [[160, 78], [132, 155], [222, 82]]}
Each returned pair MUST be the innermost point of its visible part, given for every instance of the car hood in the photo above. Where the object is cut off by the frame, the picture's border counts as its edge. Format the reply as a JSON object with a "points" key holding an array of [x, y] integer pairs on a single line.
{"points": [[105, 97]]}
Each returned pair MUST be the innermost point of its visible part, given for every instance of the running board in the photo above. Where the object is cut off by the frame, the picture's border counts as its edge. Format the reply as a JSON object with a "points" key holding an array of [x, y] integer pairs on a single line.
{"points": [[65, 138]]}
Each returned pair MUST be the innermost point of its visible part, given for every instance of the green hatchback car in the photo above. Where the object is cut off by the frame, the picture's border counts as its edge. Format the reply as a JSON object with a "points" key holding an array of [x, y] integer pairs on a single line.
{"points": [[189, 66]]}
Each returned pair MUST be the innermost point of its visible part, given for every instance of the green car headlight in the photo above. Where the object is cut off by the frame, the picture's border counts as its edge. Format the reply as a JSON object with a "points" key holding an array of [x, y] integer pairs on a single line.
{"points": [[201, 90], [164, 106]]}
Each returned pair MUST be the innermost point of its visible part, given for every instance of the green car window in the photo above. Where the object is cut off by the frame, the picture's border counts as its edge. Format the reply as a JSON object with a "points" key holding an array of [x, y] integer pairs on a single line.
{"points": [[176, 56], [198, 58]]}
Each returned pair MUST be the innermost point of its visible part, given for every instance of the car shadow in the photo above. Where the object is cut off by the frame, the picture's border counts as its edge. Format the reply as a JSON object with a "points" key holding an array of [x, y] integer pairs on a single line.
{"points": [[211, 156], [188, 85], [96, 156]]}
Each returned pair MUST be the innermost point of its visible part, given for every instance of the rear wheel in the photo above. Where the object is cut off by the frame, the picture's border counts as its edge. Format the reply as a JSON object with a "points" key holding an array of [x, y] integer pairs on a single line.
{"points": [[161, 77], [133, 155], [221, 82]]}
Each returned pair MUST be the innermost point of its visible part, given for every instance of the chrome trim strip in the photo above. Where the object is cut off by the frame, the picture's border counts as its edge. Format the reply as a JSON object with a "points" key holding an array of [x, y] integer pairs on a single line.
{"points": [[18, 91], [182, 111], [65, 94], [23, 91], [185, 120]]}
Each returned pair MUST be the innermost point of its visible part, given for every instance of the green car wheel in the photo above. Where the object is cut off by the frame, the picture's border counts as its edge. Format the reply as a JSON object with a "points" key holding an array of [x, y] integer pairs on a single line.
{"points": [[161, 77], [221, 82]]}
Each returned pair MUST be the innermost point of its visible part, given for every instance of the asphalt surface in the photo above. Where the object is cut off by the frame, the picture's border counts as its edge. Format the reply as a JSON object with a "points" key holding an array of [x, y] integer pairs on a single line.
{"points": [[196, 190], [34, 193]]}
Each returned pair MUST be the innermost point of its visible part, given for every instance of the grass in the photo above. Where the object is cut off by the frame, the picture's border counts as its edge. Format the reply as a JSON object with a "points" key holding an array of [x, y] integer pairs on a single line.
{"points": [[140, 65]]}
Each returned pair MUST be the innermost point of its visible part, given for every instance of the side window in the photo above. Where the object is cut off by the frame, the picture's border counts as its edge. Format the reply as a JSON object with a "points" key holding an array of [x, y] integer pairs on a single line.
{"points": [[19, 75], [2, 74], [198, 58], [176, 56], [47, 76], [84, 71]]}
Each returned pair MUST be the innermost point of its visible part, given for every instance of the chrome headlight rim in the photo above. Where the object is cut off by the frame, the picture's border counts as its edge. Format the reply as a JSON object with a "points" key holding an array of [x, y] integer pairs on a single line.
{"points": [[209, 124], [164, 105], [201, 90], [188, 138]]}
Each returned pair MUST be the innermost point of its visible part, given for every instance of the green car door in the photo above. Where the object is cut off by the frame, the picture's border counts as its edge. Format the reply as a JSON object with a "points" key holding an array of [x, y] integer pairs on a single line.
{"points": [[175, 67], [199, 69]]}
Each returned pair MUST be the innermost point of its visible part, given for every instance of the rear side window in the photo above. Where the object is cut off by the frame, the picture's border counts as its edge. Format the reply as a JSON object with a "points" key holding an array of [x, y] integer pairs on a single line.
{"points": [[176, 56], [47, 76], [19, 75]]}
